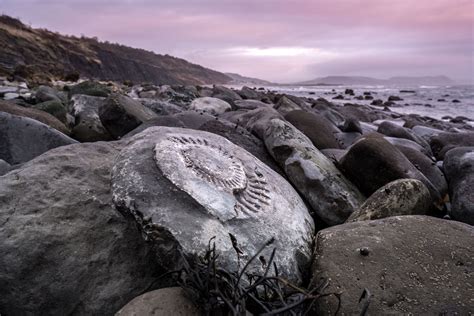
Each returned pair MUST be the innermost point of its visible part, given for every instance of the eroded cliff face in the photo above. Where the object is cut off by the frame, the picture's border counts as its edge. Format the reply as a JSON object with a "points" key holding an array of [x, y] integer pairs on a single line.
{"points": [[41, 55]]}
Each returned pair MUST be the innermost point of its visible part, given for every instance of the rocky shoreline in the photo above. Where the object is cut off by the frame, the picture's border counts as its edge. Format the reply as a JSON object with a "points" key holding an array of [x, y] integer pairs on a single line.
{"points": [[106, 187]]}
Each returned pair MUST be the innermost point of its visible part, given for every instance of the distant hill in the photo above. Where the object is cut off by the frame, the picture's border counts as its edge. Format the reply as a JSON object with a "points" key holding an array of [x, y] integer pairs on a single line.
{"points": [[357, 80], [41, 55], [239, 79]]}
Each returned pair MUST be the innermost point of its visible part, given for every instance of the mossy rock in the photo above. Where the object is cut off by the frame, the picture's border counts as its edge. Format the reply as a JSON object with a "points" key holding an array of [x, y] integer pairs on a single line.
{"points": [[91, 88], [53, 107]]}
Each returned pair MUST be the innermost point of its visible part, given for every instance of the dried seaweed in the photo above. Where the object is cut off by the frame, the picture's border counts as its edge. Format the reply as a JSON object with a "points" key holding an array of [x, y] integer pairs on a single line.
{"points": [[221, 292]]}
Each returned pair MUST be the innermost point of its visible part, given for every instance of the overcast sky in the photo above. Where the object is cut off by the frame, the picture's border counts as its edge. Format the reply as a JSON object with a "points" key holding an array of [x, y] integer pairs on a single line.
{"points": [[278, 40]]}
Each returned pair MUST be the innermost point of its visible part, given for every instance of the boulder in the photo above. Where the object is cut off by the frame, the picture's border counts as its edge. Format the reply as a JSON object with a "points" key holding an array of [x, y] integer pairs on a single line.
{"points": [[91, 88], [120, 114], [400, 197], [410, 265], [316, 127], [332, 197], [22, 138], [345, 140], [161, 107], [250, 94], [250, 104], [394, 130], [53, 107], [443, 142], [334, 155], [373, 162], [426, 132], [406, 143], [74, 254], [184, 187], [34, 114], [458, 166], [88, 127], [256, 121], [427, 167], [4, 167], [162, 302], [210, 105], [194, 120], [286, 105], [225, 94], [45, 93]]}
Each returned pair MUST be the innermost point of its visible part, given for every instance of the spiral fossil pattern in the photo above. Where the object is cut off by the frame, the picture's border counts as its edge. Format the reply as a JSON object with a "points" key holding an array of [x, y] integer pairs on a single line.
{"points": [[215, 165]]}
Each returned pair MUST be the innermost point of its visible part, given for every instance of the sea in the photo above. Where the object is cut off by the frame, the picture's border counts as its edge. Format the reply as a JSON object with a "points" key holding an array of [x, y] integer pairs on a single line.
{"points": [[433, 101]]}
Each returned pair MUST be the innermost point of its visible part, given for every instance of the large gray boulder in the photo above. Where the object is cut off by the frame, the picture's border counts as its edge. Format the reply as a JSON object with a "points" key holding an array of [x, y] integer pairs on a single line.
{"points": [[4, 167], [225, 94], [443, 142], [88, 127], [256, 121], [394, 130], [161, 107], [285, 105], [411, 265], [184, 187], [210, 105], [64, 249], [22, 138], [120, 114], [400, 197], [458, 166], [250, 104], [329, 193]]}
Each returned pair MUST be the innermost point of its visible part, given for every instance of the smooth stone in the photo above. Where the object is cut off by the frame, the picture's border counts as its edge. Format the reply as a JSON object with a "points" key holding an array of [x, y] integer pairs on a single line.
{"points": [[406, 143], [250, 104], [34, 114], [10, 96], [426, 132], [210, 105], [120, 114], [411, 265], [184, 187], [163, 302], [285, 105], [428, 167], [394, 130], [161, 107], [400, 197], [88, 126], [22, 138], [316, 127], [334, 155], [74, 254], [372, 162], [458, 166], [332, 197], [225, 94], [45, 93], [443, 142], [362, 113], [367, 128], [395, 122], [250, 94]]}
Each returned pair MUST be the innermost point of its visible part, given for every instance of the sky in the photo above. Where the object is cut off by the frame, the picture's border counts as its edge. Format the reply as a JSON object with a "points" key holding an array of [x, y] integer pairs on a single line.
{"points": [[278, 40]]}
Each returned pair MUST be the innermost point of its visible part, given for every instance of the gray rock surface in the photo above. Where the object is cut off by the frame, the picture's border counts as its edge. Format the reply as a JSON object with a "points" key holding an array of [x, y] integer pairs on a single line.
{"points": [[400, 197], [210, 105], [120, 114], [330, 194], [161, 107], [225, 94], [250, 104], [74, 254], [458, 166], [185, 186], [22, 138], [285, 105], [88, 127], [4, 167], [416, 265], [444, 142], [256, 121], [170, 301]]}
